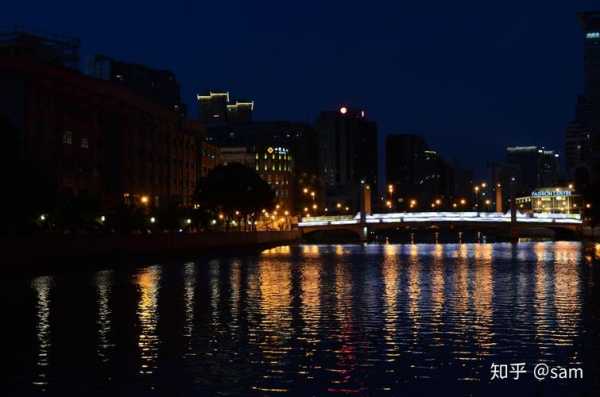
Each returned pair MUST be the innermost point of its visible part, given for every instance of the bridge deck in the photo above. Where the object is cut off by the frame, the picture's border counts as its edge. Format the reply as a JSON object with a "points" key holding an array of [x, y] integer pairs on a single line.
{"points": [[443, 217]]}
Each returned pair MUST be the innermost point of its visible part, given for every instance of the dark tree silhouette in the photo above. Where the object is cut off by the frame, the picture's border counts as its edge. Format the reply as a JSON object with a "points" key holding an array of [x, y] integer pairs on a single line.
{"points": [[234, 187]]}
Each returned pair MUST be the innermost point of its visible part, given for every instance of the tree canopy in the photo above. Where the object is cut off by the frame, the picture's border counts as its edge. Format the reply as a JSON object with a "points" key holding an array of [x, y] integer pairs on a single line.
{"points": [[235, 187]]}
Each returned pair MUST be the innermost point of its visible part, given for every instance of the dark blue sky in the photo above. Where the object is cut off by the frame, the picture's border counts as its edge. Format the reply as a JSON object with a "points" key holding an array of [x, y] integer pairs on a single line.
{"points": [[471, 76]]}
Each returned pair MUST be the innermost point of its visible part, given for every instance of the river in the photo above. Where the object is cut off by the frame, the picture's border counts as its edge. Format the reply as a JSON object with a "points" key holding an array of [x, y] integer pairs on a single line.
{"points": [[310, 320]]}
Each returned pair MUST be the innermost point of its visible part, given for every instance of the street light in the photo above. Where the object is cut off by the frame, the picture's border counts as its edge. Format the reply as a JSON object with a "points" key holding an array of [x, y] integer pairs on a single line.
{"points": [[477, 199], [144, 199]]}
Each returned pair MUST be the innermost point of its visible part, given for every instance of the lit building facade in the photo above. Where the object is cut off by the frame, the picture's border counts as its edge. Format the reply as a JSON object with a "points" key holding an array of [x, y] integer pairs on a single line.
{"points": [[550, 200], [275, 165], [300, 141]]}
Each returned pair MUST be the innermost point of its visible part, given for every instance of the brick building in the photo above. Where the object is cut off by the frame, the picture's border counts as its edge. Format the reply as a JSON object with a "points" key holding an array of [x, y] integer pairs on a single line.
{"points": [[90, 135]]}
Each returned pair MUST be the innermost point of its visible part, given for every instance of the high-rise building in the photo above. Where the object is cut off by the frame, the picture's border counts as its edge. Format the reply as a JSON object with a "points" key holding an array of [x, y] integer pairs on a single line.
{"points": [[404, 158], [159, 86], [420, 174], [347, 154], [590, 23], [212, 107], [537, 167], [215, 108], [240, 112], [583, 133]]}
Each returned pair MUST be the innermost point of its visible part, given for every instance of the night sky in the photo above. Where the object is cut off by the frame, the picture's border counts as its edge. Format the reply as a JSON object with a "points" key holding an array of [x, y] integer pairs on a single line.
{"points": [[471, 76]]}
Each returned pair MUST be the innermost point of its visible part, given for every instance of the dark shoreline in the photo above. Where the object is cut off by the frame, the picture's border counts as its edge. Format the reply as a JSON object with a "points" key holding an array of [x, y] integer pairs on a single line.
{"points": [[63, 253]]}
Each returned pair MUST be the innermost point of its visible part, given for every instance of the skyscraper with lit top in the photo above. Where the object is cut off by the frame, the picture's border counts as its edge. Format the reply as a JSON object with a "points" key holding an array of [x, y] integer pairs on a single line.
{"points": [[347, 154]]}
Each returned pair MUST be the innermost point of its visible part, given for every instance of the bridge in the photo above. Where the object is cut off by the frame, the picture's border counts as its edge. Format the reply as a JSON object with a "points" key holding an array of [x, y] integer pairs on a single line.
{"points": [[362, 224]]}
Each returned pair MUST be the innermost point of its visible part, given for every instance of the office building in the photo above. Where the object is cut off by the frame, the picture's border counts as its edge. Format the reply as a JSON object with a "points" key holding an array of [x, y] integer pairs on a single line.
{"points": [[537, 168], [347, 155], [583, 133], [419, 174]]}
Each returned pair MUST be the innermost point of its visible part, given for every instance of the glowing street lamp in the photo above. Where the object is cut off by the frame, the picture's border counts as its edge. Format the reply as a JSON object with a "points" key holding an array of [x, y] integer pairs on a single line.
{"points": [[477, 199], [152, 220], [144, 200]]}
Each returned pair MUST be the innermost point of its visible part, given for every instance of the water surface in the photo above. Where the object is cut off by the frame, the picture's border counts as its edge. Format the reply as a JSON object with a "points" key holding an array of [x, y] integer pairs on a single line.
{"points": [[309, 320]]}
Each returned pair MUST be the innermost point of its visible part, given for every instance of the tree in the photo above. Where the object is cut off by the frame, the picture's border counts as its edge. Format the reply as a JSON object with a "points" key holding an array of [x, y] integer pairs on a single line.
{"points": [[232, 188]]}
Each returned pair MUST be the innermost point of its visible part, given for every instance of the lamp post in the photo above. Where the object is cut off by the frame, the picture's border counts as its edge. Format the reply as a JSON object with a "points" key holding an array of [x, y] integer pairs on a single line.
{"points": [[477, 199], [391, 196]]}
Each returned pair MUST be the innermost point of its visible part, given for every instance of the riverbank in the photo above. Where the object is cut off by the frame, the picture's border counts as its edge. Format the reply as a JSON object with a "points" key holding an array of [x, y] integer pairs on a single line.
{"points": [[49, 249]]}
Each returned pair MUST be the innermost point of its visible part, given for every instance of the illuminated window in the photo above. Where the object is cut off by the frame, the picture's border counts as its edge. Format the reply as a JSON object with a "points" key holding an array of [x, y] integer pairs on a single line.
{"points": [[68, 138], [593, 35], [85, 144]]}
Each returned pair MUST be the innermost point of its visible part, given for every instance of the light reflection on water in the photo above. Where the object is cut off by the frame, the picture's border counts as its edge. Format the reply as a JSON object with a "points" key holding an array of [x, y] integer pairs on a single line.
{"points": [[313, 320], [147, 282], [42, 286], [103, 319]]}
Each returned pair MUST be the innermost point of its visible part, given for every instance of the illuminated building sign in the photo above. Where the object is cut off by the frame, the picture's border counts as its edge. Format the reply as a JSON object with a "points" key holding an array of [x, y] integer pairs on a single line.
{"points": [[551, 193], [593, 35]]}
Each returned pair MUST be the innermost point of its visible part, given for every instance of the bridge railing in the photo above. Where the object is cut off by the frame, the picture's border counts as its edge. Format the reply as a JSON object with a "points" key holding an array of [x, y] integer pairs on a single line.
{"points": [[433, 217]]}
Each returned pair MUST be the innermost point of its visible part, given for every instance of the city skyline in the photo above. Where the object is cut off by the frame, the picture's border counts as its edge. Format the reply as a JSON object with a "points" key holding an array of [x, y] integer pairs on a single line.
{"points": [[504, 48]]}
